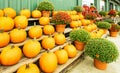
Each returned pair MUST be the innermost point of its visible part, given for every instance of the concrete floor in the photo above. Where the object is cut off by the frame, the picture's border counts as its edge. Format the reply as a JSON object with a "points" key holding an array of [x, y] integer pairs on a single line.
{"points": [[86, 66]]}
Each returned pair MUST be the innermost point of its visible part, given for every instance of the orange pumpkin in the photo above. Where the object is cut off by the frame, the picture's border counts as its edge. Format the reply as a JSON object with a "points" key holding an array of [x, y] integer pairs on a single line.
{"points": [[1, 13], [25, 12], [59, 38], [4, 38], [79, 23], [62, 56], [21, 21], [6, 23], [44, 21], [10, 12], [81, 16], [10, 55], [35, 32], [31, 48], [71, 50], [48, 43], [84, 22], [28, 68], [48, 62], [18, 35], [36, 14], [74, 24], [48, 29]]}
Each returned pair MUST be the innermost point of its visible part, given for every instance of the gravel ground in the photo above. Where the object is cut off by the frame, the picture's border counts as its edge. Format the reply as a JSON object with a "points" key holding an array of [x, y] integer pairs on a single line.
{"points": [[86, 66]]}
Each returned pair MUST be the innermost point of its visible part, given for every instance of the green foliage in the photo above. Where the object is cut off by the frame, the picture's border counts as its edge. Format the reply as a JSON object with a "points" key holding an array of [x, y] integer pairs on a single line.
{"points": [[103, 13], [109, 20], [61, 18], [45, 5], [101, 49], [80, 35], [78, 8], [115, 27], [103, 25], [118, 13]]}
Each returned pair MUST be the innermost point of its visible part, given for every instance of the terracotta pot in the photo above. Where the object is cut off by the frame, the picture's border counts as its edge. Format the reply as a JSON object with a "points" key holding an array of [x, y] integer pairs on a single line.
{"points": [[46, 13], [105, 31], [79, 45], [113, 34], [100, 65], [60, 27]]}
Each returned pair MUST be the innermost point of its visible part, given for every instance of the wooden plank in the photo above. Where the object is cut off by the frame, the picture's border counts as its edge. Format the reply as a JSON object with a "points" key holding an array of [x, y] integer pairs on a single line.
{"points": [[61, 67], [11, 69], [33, 19]]}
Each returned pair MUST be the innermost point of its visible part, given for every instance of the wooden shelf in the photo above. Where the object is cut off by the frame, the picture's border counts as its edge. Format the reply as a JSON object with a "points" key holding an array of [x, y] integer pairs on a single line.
{"points": [[33, 19]]}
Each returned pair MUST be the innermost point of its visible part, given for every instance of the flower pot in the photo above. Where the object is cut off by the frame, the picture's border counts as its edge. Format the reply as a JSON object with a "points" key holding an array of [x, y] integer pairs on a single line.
{"points": [[60, 27], [79, 45], [46, 13], [100, 65], [113, 34]]}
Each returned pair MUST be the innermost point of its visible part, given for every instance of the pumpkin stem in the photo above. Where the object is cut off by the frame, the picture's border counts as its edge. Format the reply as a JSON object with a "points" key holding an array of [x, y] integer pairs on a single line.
{"points": [[27, 66], [19, 26], [34, 38], [34, 23], [1, 30], [48, 50], [69, 43], [60, 48], [12, 46], [49, 35], [6, 15]]}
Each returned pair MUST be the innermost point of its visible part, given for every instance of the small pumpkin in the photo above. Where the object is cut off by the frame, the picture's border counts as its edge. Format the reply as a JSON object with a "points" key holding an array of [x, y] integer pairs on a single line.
{"points": [[74, 24], [35, 32], [48, 62], [31, 48], [48, 43], [28, 68], [18, 35], [36, 14], [21, 21], [10, 55], [62, 56], [71, 50], [1, 13], [10, 12], [48, 29], [4, 38], [44, 21], [59, 38], [6, 23], [25, 12]]}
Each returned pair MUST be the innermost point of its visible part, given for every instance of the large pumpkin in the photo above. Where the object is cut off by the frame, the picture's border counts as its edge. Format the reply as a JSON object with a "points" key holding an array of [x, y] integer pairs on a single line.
{"points": [[6, 23], [44, 21], [18, 35], [31, 48], [28, 68], [48, 43], [48, 29], [36, 14], [10, 12], [35, 32], [71, 50], [48, 62], [25, 12], [21, 21], [62, 56], [10, 55], [1, 13], [59, 38], [4, 38]]}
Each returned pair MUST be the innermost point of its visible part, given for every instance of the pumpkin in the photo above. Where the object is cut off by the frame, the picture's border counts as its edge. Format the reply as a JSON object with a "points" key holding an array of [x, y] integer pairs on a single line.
{"points": [[79, 23], [48, 62], [0, 58], [6, 23], [25, 12], [1, 13], [44, 21], [62, 56], [59, 38], [18, 35], [10, 55], [28, 68], [21, 21], [84, 22], [35, 32], [10, 12], [31, 48], [71, 50], [4, 38], [74, 24], [48, 43], [48, 29], [36, 14]]}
